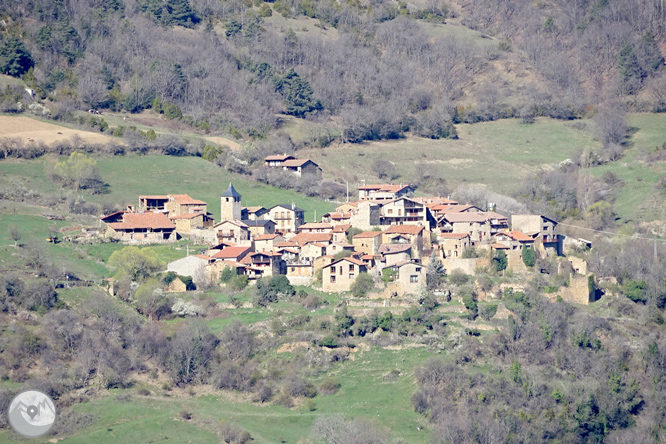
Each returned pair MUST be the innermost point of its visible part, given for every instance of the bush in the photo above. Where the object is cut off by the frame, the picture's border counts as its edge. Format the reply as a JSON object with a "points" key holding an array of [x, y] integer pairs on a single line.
{"points": [[239, 283], [636, 291], [500, 261], [458, 277], [529, 256], [227, 275], [362, 285], [329, 386]]}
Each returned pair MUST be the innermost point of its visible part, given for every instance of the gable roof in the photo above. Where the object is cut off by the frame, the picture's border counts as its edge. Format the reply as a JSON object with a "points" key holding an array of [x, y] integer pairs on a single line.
{"points": [[304, 238], [404, 229], [394, 248], [278, 157], [184, 199], [231, 192], [384, 188], [315, 225], [519, 236], [342, 228], [133, 221], [154, 197], [297, 162], [368, 235], [236, 222], [348, 259], [287, 207], [454, 235], [187, 216], [231, 252], [255, 209], [286, 244], [463, 217], [401, 263], [258, 223], [494, 215], [266, 237]]}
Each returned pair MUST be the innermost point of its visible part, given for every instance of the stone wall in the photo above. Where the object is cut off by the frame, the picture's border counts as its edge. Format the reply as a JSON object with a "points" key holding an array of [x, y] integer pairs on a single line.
{"points": [[578, 291]]}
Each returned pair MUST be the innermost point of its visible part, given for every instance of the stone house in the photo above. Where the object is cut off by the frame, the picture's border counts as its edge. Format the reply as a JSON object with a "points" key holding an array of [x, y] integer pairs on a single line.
{"points": [[276, 160], [232, 231], [395, 253], [472, 223], [316, 227], [305, 238], [233, 254], [368, 242], [186, 223], [416, 235], [269, 264], [178, 204], [312, 250], [287, 218], [253, 213], [404, 211], [341, 274], [384, 192], [515, 240], [267, 242], [141, 228], [260, 227], [340, 233], [409, 275], [302, 167], [540, 228], [453, 244]]}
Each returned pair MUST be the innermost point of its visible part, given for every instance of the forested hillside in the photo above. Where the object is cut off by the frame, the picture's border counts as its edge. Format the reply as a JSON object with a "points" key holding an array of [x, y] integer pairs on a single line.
{"points": [[360, 70]]}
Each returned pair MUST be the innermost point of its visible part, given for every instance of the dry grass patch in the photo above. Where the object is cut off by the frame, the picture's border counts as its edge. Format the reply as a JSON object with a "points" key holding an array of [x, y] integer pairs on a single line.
{"points": [[29, 130]]}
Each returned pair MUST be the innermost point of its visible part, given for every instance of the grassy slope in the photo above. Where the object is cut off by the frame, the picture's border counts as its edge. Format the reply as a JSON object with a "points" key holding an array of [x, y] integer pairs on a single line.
{"points": [[130, 176], [498, 154]]}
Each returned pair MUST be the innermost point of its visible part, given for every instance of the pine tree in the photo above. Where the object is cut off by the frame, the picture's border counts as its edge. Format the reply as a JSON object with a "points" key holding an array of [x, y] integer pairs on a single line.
{"points": [[630, 70], [180, 12], [15, 60], [297, 94], [435, 273], [650, 56]]}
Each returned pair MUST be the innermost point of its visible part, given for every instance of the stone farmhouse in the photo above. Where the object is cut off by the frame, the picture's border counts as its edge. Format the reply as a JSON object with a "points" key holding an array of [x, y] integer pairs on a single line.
{"points": [[399, 231], [299, 167]]}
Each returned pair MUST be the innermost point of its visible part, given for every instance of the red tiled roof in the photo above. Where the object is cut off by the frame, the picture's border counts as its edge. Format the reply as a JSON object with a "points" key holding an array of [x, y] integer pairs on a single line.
{"points": [[519, 236], [266, 237], [315, 225], [404, 229], [133, 221], [230, 252], [368, 235], [494, 215], [184, 199], [388, 188], [187, 216], [286, 244], [341, 228], [464, 217], [454, 235], [278, 157], [304, 238], [349, 259]]}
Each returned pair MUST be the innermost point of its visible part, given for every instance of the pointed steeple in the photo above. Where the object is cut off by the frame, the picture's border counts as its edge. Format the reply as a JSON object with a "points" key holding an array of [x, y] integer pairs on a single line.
{"points": [[231, 192]]}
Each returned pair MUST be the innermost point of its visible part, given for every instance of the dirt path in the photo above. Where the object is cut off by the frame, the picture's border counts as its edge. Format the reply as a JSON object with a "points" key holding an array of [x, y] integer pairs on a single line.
{"points": [[224, 141], [34, 130]]}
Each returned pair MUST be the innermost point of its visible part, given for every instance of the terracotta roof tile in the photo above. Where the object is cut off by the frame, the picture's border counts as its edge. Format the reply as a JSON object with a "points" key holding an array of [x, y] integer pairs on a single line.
{"points": [[231, 252], [519, 236], [304, 238], [187, 216], [404, 229], [368, 235], [394, 248], [342, 228], [266, 237], [184, 199], [315, 225], [133, 221], [454, 235], [296, 162], [278, 157]]}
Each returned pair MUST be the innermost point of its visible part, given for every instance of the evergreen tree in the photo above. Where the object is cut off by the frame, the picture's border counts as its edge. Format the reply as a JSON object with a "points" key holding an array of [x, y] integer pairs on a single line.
{"points": [[15, 60], [297, 94], [435, 273], [179, 12], [649, 55], [630, 70], [529, 256], [500, 261]]}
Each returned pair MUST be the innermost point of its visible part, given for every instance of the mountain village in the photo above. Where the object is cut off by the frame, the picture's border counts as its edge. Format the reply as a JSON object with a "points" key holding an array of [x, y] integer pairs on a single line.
{"points": [[387, 231]]}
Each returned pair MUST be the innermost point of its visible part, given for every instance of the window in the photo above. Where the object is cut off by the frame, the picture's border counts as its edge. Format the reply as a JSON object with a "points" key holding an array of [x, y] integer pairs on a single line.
{"points": [[413, 278], [390, 211], [399, 212], [332, 270], [293, 269], [351, 276], [351, 268], [332, 279]]}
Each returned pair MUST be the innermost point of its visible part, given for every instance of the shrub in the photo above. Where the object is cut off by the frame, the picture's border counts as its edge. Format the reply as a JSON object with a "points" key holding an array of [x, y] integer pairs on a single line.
{"points": [[362, 285], [227, 274], [239, 283], [636, 291], [458, 277], [500, 261], [329, 386], [529, 256]]}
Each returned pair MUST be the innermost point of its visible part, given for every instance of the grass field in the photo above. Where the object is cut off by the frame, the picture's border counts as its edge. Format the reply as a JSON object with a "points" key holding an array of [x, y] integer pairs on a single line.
{"points": [[131, 176], [363, 393], [29, 129], [498, 154]]}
